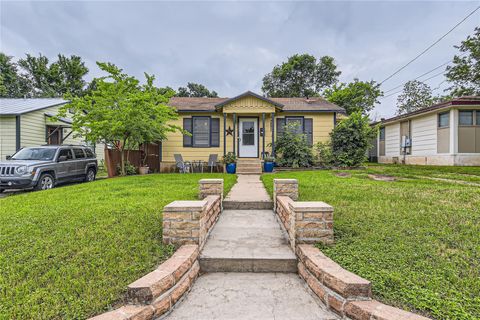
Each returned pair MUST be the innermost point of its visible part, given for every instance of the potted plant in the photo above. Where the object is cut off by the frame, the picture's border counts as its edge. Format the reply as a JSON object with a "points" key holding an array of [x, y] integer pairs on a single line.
{"points": [[268, 163], [230, 160]]}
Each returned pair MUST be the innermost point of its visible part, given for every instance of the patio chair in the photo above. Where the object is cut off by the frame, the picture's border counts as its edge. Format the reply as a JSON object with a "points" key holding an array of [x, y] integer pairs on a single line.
{"points": [[183, 166], [212, 161]]}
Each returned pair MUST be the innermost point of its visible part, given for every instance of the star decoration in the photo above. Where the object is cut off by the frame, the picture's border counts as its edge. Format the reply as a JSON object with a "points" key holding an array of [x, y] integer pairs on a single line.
{"points": [[229, 131]]}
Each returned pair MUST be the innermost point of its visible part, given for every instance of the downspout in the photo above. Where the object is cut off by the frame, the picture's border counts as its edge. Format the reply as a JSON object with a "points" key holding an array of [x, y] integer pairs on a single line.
{"points": [[17, 132]]}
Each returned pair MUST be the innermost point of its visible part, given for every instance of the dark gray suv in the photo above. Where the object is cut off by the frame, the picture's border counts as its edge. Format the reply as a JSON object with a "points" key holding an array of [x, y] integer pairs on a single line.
{"points": [[44, 167]]}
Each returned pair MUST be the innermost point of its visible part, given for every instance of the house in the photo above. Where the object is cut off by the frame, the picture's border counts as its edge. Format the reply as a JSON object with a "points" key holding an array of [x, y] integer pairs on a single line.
{"points": [[246, 125], [447, 133], [29, 122]]}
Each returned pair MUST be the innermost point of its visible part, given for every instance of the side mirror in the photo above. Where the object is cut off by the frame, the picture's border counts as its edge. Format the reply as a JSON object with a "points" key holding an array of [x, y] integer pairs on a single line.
{"points": [[62, 158], [8, 157]]}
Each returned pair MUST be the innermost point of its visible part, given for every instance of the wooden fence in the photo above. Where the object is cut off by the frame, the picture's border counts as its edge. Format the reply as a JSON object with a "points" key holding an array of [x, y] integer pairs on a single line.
{"points": [[152, 160]]}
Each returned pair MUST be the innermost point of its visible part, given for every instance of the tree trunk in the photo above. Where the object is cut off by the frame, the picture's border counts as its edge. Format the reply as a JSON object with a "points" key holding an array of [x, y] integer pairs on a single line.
{"points": [[122, 162]]}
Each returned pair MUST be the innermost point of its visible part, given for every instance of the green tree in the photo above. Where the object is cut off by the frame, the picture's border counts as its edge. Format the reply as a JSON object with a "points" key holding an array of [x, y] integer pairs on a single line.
{"points": [[121, 112], [301, 76], [292, 148], [12, 85], [356, 96], [56, 79], [196, 90], [416, 95], [350, 140], [464, 74]]}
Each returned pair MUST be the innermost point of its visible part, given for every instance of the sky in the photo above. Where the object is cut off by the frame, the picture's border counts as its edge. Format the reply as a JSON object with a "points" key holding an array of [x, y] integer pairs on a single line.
{"points": [[229, 46]]}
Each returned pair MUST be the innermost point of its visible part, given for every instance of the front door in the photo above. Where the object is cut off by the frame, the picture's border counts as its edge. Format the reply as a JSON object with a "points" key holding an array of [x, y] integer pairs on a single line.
{"points": [[248, 138]]}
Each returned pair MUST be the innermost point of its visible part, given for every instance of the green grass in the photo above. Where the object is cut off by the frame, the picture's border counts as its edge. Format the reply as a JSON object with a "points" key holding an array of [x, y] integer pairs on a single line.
{"points": [[70, 252], [417, 240]]}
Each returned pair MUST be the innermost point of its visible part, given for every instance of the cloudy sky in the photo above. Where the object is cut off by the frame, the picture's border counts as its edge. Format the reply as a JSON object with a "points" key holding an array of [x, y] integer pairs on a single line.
{"points": [[229, 46]]}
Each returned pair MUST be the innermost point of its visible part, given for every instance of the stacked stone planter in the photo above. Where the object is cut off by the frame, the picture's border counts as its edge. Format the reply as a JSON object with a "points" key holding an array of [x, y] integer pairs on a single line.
{"points": [[186, 225]]}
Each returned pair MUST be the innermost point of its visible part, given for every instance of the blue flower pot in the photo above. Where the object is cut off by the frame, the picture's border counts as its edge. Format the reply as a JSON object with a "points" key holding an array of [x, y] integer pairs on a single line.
{"points": [[231, 167], [268, 166]]}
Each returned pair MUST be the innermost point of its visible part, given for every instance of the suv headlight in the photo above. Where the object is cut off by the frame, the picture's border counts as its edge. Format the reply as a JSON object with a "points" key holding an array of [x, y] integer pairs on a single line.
{"points": [[21, 169]]}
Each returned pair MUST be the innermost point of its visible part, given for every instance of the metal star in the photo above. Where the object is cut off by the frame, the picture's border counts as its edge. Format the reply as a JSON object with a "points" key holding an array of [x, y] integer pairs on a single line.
{"points": [[229, 131]]}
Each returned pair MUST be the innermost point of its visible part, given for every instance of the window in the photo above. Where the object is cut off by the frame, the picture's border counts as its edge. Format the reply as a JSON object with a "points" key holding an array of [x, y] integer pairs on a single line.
{"points": [[478, 117], [89, 153], [298, 121], [67, 153], [78, 153], [444, 120], [465, 118], [54, 135], [205, 132], [305, 126], [382, 134]]}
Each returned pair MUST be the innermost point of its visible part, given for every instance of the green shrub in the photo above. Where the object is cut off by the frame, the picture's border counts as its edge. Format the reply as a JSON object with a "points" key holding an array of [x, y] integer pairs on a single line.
{"points": [[292, 148], [350, 140], [130, 169], [324, 154], [229, 158]]}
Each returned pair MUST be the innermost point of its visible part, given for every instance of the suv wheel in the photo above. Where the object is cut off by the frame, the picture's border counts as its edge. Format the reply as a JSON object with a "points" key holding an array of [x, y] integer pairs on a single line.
{"points": [[45, 182], [1, 190], [90, 175]]}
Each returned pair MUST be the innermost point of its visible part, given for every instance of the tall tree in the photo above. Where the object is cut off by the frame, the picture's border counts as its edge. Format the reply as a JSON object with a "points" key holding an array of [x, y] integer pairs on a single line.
{"points": [[301, 76], [121, 112], [464, 74], [12, 85], [196, 90], [56, 79], [356, 96], [416, 95]]}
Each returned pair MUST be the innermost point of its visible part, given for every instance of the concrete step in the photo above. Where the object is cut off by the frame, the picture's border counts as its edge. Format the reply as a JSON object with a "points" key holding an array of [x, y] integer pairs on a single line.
{"points": [[247, 241], [249, 165], [247, 205], [248, 171]]}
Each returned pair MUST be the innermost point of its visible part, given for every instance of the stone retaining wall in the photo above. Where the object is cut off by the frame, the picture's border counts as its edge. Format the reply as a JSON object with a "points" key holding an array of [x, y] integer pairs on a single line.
{"points": [[305, 222]]}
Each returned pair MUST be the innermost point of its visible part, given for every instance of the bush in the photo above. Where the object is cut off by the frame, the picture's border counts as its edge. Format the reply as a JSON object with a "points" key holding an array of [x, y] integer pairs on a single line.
{"points": [[350, 140], [292, 148], [130, 169], [229, 158], [324, 154]]}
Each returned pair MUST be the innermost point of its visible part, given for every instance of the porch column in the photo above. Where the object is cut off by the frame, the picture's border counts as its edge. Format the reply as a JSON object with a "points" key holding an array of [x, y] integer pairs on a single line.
{"points": [[273, 134], [234, 131], [224, 134], [263, 135]]}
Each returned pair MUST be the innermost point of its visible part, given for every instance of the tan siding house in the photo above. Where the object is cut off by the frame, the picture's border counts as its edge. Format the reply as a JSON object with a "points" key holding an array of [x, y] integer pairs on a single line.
{"points": [[246, 125], [444, 134], [28, 122]]}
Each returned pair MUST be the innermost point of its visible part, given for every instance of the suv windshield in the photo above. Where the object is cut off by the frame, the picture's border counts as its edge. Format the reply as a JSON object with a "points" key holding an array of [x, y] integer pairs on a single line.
{"points": [[35, 154]]}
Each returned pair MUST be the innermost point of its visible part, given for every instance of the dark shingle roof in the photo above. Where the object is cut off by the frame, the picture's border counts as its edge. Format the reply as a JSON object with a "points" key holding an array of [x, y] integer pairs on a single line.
{"points": [[315, 104]]}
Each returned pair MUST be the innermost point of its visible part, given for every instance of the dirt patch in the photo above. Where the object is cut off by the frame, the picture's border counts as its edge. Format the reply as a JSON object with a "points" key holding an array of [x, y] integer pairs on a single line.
{"points": [[343, 174], [381, 177]]}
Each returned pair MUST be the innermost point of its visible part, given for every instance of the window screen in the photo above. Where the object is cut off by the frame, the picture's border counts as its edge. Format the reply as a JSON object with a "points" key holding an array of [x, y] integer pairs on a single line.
{"points": [[444, 120], [465, 118], [382, 134], [201, 132]]}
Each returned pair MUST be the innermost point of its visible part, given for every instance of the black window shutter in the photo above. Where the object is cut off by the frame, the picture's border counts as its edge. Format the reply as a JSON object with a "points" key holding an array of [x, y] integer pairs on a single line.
{"points": [[280, 126], [187, 126], [308, 130], [215, 132]]}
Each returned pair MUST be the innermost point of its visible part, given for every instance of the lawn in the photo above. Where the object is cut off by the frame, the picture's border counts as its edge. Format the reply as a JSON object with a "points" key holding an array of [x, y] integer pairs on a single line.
{"points": [[70, 252], [417, 240]]}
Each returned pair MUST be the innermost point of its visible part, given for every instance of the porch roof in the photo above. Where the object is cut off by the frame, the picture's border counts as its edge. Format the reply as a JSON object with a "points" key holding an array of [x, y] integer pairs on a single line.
{"points": [[314, 104]]}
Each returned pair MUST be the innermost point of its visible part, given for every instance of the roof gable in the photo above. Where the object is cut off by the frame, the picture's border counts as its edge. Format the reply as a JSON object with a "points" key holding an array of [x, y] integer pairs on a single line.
{"points": [[247, 94]]}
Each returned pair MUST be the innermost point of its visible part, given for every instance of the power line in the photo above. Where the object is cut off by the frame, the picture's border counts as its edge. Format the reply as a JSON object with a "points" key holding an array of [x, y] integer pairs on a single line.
{"points": [[431, 46], [391, 94]]}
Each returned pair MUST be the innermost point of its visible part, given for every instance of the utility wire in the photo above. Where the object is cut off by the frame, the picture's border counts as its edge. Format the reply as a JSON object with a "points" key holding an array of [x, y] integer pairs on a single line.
{"points": [[431, 46], [391, 94]]}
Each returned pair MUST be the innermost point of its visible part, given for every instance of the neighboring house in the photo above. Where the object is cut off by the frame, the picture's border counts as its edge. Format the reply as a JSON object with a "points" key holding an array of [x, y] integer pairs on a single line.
{"points": [[443, 134], [246, 125], [29, 122]]}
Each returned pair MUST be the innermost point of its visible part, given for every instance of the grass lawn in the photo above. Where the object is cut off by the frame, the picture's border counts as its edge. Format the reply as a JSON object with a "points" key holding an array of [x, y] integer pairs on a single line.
{"points": [[417, 240], [69, 253]]}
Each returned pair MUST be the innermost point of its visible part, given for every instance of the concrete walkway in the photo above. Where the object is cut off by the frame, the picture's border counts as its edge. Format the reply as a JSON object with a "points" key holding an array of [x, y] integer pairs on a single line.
{"points": [[249, 270], [248, 193], [265, 296]]}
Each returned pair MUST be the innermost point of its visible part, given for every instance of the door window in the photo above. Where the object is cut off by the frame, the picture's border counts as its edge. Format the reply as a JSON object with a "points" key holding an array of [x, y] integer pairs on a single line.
{"points": [[79, 154], [248, 133], [66, 152], [54, 135]]}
